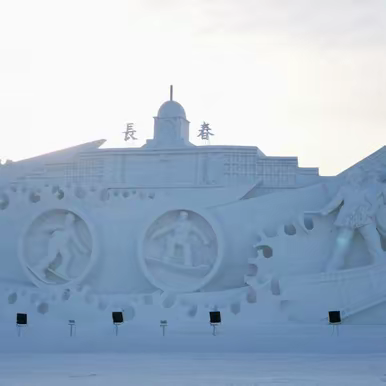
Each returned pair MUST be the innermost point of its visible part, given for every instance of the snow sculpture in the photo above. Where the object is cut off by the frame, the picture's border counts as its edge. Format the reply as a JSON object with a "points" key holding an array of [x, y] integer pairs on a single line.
{"points": [[120, 206], [358, 203], [180, 250], [57, 248]]}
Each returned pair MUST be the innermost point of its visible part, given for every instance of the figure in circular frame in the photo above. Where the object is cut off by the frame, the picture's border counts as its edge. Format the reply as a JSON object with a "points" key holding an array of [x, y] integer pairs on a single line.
{"points": [[177, 237], [180, 251], [57, 247], [60, 243]]}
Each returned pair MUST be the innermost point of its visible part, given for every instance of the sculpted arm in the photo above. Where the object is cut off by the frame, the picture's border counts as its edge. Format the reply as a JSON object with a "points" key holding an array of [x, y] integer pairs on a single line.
{"points": [[51, 228], [333, 204], [163, 231], [202, 236]]}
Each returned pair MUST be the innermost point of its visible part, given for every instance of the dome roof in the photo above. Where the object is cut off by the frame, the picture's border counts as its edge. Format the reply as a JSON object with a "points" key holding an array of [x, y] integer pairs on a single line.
{"points": [[171, 109]]}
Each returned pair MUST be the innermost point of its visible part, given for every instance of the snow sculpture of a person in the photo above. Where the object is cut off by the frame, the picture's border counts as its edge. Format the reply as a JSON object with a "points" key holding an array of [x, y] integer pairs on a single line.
{"points": [[178, 235], [358, 203], [61, 240]]}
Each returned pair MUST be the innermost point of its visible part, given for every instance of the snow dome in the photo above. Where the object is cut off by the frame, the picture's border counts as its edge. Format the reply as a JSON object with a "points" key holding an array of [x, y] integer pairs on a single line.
{"points": [[171, 109]]}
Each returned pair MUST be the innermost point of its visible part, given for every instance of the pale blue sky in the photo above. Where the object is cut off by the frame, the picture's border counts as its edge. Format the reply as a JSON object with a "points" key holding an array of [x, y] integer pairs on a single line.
{"points": [[293, 77]]}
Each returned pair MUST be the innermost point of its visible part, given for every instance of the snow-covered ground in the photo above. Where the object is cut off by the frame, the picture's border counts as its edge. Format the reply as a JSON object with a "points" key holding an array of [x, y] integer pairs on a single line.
{"points": [[178, 369], [246, 351], [241, 354]]}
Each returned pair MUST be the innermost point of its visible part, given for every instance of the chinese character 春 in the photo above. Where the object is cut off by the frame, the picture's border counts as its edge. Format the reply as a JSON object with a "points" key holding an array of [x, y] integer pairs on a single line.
{"points": [[205, 131]]}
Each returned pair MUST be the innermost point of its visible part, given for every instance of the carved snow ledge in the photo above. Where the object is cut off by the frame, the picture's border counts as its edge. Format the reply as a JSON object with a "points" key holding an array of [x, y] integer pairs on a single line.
{"points": [[23, 168]]}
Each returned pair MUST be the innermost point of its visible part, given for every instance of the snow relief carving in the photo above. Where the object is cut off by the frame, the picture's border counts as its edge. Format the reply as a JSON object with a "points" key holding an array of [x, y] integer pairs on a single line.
{"points": [[358, 201], [179, 252], [57, 248]]}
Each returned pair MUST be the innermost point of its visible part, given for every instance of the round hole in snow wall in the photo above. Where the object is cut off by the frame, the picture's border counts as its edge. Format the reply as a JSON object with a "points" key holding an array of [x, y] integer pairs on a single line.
{"points": [[12, 298], [270, 232], [42, 308], [267, 251], [34, 197], [80, 192], [289, 229], [4, 201], [169, 301], [192, 312], [308, 223], [129, 313], [235, 308], [251, 296]]}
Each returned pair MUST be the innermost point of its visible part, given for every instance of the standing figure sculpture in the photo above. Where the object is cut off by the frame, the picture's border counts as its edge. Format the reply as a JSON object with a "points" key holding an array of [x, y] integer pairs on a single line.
{"points": [[61, 240], [179, 237], [358, 202]]}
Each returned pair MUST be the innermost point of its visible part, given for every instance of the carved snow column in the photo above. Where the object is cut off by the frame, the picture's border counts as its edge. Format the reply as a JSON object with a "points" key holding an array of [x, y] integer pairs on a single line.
{"points": [[202, 168]]}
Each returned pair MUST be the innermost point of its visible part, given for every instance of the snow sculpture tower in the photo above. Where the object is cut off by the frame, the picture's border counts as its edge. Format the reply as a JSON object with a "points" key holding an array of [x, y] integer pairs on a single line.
{"points": [[171, 128]]}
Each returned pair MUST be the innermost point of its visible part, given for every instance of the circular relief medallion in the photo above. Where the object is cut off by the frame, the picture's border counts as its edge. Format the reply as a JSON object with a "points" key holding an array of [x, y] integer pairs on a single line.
{"points": [[57, 248], [180, 251]]}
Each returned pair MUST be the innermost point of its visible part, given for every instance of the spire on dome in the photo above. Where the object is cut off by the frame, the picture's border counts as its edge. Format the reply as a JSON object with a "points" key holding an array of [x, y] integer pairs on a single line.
{"points": [[171, 108]]}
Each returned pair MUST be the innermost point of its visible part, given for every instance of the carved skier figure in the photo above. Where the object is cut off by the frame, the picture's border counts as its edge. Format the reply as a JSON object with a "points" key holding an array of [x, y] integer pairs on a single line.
{"points": [[61, 241]]}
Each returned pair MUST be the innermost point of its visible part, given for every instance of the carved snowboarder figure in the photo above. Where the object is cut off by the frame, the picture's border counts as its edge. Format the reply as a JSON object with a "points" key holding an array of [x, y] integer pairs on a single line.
{"points": [[179, 238], [61, 240]]}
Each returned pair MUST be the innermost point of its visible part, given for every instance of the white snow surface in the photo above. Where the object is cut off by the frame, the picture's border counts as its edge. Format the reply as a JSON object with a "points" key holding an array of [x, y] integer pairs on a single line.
{"points": [[176, 369], [242, 353]]}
